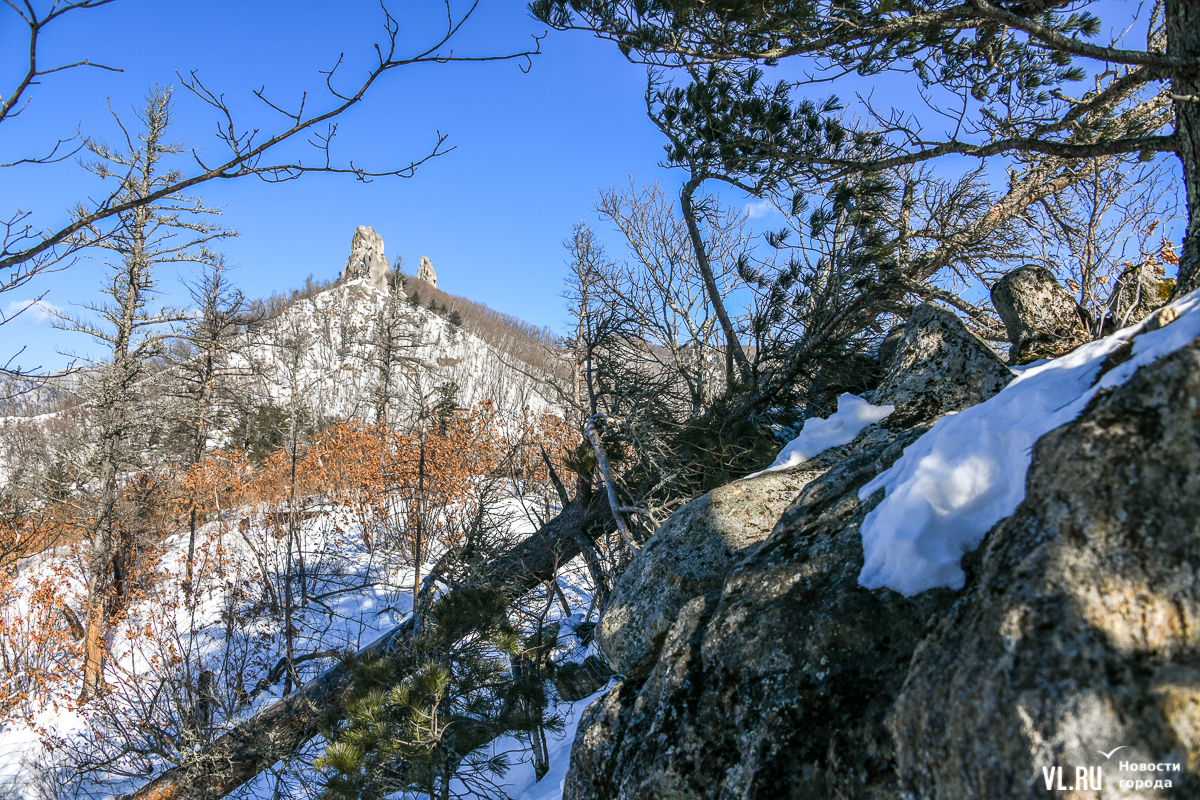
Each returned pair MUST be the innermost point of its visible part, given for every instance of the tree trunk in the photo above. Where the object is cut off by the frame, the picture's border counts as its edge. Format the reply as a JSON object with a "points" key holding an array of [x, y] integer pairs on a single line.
{"points": [[191, 551], [97, 588], [417, 531], [98, 571], [1183, 43], [733, 349], [256, 744]]}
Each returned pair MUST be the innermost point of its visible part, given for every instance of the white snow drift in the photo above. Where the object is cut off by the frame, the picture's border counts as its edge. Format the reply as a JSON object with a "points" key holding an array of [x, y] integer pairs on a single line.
{"points": [[968, 472]]}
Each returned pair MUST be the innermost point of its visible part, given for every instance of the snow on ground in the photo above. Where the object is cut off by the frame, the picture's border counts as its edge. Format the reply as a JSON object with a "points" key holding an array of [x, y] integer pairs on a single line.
{"points": [[968, 472], [818, 435], [356, 596], [521, 783]]}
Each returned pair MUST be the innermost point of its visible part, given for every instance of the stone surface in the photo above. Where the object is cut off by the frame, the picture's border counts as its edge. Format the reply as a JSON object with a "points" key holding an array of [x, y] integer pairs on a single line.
{"points": [[780, 688], [425, 272], [887, 347], [937, 366], [367, 260], [1137, 293], [1042, 319], [577, 681], [1083, 630], [689, 555]]}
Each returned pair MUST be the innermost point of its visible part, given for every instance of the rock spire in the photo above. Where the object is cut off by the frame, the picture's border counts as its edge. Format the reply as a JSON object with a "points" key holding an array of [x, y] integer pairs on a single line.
{"points": [[425, 272], [366, 259]]}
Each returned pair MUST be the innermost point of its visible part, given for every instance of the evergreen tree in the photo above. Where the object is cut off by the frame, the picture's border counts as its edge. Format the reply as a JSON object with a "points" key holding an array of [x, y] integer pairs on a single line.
{"points": [[1001, 68], [446, 405], [415, 734], [1007, 68]]}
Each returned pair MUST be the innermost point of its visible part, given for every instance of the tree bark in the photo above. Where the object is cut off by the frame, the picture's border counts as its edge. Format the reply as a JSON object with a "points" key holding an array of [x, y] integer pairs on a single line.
{"points": [[1183, 42], [97, 582], [256, 744]]}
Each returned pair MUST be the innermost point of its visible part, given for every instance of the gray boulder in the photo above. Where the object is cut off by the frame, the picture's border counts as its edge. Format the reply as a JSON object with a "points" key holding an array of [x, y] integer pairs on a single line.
{"points": [[1137, 293], [1042, 319], [689, 555], [1082, 633], [936, 366], [779, 689], [887, 347]]}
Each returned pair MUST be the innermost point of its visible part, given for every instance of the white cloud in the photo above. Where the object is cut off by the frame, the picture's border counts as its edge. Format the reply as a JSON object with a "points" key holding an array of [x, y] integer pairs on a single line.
{"points": [[34, 312], [757, 209]]}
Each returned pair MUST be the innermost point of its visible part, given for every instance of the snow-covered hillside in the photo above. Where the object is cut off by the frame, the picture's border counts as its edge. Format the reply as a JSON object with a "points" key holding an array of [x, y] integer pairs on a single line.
{"points": [[188, 661], [225, 636], [327, 350]]}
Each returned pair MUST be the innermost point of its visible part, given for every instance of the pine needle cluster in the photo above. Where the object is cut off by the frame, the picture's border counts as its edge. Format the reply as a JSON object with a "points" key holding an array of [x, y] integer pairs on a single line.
{"points": [[423, 721]]}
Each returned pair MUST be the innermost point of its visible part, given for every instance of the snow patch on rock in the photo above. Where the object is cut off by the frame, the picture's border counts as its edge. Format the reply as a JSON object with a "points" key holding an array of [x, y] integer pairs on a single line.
{"points": [[968, 472], [818, 435]]}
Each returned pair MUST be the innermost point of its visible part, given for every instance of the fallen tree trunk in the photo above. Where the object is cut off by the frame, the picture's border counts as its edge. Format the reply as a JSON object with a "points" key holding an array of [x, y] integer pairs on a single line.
{"points": [[282, 728]]}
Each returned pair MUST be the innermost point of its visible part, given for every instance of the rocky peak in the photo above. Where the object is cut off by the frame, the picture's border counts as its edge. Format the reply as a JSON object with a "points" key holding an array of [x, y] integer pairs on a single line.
{"points": [[366, 259], [425, 272]]}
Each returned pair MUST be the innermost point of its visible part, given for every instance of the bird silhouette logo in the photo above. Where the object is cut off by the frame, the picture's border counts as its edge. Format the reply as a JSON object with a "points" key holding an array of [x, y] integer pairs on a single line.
{"points": [[1109, 754]]}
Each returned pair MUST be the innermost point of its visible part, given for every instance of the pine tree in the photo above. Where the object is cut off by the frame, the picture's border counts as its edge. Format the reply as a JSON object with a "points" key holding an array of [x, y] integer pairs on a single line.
{"points": [[415, 734], [1003, 69], [393, 335]]}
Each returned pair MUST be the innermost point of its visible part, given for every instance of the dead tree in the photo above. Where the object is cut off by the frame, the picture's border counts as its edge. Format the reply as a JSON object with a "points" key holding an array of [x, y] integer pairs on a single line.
{"points": [[148, 233]]}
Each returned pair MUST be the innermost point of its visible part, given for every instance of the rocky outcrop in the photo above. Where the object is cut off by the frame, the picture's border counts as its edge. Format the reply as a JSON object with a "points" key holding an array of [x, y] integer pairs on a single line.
{"points": [[692, 553], [689, 555], [1136, 294], [887, 347], [1042, 319], [936, 366], [367, 260], [425, 272], [1082, 633], [577, 681], [779, 687], [1078, 630]]}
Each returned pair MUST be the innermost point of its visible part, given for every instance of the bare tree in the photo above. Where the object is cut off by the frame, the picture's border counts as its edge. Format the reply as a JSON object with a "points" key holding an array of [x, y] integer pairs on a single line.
{"points": [[205, 369], [668, 288], [1099, 237], [169, 228]]}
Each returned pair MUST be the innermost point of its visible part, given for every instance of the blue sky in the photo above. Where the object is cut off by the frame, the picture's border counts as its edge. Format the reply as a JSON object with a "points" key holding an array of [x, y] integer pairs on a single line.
{"points": [[532, 149]]}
